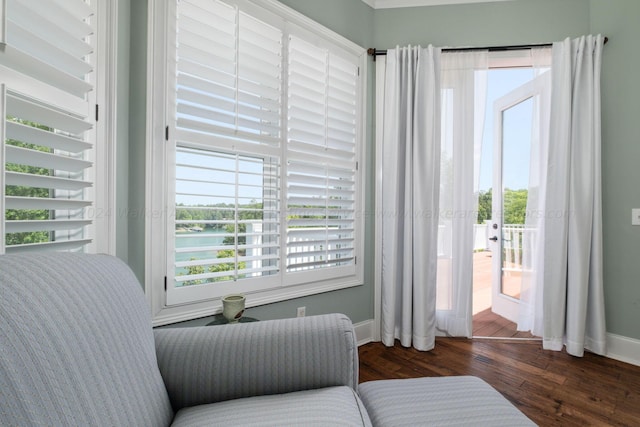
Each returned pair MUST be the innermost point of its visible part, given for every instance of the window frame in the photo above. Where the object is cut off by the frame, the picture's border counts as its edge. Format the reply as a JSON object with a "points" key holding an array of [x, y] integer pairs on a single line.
{"points": [[162, 21]]}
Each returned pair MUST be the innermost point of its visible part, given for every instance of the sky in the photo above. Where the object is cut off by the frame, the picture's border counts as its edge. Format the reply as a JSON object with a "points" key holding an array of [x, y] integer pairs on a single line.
{"points": [[516, 173]]}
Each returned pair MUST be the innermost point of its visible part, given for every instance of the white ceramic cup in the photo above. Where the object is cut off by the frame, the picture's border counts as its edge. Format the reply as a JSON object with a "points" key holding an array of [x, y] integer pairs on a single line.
{"points": [[233, 307]]}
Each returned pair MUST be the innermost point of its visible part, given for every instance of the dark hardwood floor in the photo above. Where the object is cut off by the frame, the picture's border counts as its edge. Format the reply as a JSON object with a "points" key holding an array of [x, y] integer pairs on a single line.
{"points": [[551, 388]]}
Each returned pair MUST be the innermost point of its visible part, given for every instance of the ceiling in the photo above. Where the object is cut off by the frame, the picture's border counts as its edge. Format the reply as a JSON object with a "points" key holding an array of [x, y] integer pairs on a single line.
{"points": [[387, 4]]}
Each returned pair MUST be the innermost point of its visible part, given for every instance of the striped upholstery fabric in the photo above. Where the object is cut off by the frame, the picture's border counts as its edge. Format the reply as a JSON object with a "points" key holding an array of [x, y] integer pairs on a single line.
{"points": [[76, 344], [217, 363], [439, 401], [334, 406]]}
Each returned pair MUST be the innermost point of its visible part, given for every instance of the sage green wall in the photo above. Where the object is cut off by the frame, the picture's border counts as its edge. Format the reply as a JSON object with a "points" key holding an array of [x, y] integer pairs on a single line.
{"points": [[485, 24], [137, 134], [620, 21], [482, 24]]}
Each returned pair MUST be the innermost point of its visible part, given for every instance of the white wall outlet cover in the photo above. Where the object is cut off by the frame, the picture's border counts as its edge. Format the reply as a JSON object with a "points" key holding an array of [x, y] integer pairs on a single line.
{"points": [[635, 216]]}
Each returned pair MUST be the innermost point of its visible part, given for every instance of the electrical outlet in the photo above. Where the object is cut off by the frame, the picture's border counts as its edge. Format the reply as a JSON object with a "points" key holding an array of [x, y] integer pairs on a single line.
{"points": [[302, 311], [635, 216]]}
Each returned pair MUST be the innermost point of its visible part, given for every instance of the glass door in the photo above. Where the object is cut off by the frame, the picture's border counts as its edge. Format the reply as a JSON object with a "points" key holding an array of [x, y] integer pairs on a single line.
{"points": [[514, 116]]}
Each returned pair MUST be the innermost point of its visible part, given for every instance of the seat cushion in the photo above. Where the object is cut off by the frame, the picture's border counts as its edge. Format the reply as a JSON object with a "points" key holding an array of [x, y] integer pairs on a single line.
{"points": [[441, 401], [332, 406]]}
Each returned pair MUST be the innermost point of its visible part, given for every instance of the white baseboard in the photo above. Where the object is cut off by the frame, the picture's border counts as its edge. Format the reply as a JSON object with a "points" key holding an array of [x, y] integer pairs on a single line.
{"points": [[623, 349], [364, 332]]}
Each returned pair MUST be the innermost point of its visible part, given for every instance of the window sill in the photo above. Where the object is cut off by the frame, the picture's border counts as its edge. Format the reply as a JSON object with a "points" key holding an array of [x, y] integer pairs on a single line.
{"points": [[174, 314]]}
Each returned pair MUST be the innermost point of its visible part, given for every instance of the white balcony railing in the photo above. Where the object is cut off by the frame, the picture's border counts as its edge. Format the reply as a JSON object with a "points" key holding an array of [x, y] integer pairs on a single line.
{"points": [[516, 239]]}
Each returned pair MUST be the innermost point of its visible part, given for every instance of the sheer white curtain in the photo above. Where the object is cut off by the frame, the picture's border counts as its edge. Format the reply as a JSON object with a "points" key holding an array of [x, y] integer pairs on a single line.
{"points": [[464, 82], [531, 303], [427, 195], [410, 156], [573, 300]]}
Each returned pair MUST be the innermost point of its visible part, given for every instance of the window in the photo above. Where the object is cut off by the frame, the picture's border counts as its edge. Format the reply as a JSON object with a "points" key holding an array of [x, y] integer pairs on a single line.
{"points": [[49, 89], [255, 144]]}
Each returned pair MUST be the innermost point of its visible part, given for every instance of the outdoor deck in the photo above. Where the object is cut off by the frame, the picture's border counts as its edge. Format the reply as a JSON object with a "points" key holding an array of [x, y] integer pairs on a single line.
{"points": [[485, 322]]}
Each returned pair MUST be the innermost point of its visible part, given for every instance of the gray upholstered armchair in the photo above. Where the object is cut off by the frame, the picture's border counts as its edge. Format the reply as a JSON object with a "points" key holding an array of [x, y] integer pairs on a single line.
{"points": [[77, 349]]}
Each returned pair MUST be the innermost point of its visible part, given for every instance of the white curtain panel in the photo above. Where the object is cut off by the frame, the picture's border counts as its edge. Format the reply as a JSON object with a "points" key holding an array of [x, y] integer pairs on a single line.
{"points": [[432, 126], [530, 316], [463, 93], [410, 180], [573, 279]]}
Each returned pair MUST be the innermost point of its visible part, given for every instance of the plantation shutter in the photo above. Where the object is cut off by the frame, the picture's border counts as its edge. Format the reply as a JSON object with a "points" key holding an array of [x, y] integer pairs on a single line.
{"points": [[48, 125], [321, 158], [227, 148]]}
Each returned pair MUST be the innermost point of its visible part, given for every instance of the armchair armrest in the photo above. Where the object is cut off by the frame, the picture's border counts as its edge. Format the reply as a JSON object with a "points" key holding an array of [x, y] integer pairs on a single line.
{"points": [[214, 363]]}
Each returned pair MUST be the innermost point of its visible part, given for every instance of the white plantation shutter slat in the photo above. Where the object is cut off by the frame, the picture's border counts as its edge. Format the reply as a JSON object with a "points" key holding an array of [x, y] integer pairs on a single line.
{"points": [[49, 125], [199, 29], [207, 115], [40, 48], [40, 181], [66, 245], [211, 52], [28, 16], [80, 9], [208, 78], [296, 202], [222, 60], [33, 135], [33, 67], [45, 115], [258, 85], [215, 14], [62, 17], [33, 203], [26, 226], [199, 134], [41, 159]]}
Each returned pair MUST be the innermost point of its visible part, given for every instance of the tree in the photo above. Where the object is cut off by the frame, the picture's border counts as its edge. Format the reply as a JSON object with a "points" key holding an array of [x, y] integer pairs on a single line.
{"points": [[23, 191], [515, 206], [484, 206]]}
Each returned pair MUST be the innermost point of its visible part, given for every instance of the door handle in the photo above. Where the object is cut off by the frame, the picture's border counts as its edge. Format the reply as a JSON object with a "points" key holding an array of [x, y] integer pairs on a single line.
{"points": [[494, 238]]}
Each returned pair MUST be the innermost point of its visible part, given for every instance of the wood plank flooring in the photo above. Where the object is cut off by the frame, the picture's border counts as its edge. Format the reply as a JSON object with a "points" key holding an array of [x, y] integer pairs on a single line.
{"points": [[551, 388], [488, 324]]}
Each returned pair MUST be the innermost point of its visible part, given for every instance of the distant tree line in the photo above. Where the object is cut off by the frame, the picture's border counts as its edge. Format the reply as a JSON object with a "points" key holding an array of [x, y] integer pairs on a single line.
{"points": [[514, 206], [22, 191]]}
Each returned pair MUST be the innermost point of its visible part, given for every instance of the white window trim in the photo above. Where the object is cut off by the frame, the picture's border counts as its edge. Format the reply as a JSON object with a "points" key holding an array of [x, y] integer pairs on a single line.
{"points": [[156, 197], [106, 133]]}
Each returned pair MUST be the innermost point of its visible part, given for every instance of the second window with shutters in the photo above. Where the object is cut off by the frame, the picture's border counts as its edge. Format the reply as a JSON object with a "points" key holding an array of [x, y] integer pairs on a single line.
{"points": [[260, 168]]}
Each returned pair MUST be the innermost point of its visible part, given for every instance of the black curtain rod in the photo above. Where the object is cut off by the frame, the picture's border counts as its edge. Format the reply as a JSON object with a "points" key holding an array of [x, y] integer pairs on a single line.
{"points": [[375, 52]]}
